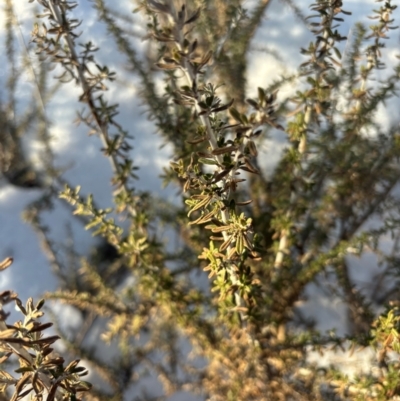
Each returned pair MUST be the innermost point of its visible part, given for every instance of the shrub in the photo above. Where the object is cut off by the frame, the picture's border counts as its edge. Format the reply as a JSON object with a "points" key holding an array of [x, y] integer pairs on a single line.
{"points": [[264, 239]]}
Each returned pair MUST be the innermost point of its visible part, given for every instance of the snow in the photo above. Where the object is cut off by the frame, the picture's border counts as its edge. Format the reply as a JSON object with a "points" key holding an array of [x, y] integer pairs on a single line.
{"points": [[31, 274]]}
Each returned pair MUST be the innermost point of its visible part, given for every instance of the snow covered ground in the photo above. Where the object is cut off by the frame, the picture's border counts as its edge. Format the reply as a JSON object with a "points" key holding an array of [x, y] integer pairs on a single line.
{"points": [[31, 274]]}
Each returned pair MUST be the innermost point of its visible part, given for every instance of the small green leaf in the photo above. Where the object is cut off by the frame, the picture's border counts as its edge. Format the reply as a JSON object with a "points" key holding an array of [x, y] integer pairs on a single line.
{"points": [[235, 114], [337, 52], [210, 162]]}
